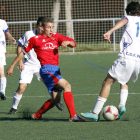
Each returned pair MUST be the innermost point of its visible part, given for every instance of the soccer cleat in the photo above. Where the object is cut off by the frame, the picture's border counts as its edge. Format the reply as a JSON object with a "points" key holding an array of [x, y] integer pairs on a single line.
{"points": [[35, 117], [2, 96], [76, 118], [12, 111], [59, 106], [121, 112], [90, 115]]}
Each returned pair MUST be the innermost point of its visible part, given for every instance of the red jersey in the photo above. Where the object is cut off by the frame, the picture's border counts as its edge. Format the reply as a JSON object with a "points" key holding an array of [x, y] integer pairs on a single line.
{"points": [[46, 48]]}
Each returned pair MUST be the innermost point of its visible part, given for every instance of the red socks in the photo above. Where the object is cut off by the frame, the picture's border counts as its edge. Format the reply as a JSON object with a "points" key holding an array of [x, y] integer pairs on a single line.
{"points": [[68, 98], [47, 105]]}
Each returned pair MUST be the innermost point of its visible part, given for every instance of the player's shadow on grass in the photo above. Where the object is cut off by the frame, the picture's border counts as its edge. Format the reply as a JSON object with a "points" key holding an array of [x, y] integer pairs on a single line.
{"points": [[52, 119], [102, 120], [26, 115], [9, 119]]}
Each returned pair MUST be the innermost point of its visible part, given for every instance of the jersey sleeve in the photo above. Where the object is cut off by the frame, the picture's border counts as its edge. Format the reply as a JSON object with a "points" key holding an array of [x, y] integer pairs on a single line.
{"points": [[127, 17], [5, 27], [21, 41], [24, 39], [29, 45], [62, 38]]}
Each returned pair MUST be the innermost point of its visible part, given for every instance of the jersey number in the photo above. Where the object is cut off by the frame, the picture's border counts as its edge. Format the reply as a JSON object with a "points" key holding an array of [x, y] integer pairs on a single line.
{"points": [[137, 34]]}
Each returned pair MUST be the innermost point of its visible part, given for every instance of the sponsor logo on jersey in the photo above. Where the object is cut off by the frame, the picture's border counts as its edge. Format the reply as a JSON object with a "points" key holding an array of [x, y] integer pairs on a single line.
{"points": [[133, 54], [43, 40], [26, 44], [53, 38], [49, 46]]}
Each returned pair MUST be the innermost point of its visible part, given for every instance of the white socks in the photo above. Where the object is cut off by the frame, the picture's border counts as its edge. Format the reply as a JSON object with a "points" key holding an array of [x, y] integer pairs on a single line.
{"points": [[100, 101], [99, 105], [2, 84], [123, 97], [16, 100]]}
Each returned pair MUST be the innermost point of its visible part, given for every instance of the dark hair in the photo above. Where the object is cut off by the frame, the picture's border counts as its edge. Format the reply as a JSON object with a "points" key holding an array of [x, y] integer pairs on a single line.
{"points": [[46, 20], [39, 20], [133, 8]]}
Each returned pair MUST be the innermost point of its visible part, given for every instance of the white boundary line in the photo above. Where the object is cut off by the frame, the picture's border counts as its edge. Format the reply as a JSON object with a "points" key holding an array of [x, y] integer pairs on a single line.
{"points": [[73, 95]]}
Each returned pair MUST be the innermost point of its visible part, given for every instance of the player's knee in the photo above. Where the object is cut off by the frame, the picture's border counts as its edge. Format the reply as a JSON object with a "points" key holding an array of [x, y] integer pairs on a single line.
{"points": [[67, 87], [109, 80]]}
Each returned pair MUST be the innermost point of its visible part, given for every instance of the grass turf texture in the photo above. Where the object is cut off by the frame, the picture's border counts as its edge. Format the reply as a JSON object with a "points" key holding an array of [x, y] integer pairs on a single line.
{"points": [[86, 80]]}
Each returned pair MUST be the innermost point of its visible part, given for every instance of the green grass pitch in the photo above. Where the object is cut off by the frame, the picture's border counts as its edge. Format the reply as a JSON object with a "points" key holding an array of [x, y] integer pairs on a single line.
{"points": [[85, 73]]}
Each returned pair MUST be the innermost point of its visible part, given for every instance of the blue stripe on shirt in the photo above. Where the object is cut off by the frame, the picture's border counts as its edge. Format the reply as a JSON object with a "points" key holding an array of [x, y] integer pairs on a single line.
{"points": [[20, 44], [5, 31]]}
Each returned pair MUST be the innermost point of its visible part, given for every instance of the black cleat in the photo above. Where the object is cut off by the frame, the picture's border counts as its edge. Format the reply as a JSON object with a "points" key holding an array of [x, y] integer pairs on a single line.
{"points": [[2, 96], [59, 106], [12, 111]]}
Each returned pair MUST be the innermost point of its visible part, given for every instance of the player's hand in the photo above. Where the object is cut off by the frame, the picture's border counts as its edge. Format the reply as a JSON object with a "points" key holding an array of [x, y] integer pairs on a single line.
{"points": [[20, 66], [107, 37], [9, 71], [14, 41], [65, 44]]}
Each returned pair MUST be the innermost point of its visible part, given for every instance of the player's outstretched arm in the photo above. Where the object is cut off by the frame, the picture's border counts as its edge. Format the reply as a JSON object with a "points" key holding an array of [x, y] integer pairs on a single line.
{"points": [[10, 69], [116, 27], [9, 36], [20, 63], [66, 43]]}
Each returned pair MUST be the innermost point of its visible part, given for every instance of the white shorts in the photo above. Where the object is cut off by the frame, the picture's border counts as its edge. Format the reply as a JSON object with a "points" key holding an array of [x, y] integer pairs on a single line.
{"points": [[26, 75], [2, 59], [124, 70]]}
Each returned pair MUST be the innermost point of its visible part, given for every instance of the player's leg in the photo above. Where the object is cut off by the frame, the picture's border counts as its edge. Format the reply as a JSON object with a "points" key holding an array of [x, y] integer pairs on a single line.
{"points": [[69, 100], [103, 95], [26, 76], [123, 99], [2, 76], [101, 99], [45, 107], [52, 78], [132, 72], [56, 98], [121, 71], [17, 97], [123, 95], [2, 83], [133, 68]]}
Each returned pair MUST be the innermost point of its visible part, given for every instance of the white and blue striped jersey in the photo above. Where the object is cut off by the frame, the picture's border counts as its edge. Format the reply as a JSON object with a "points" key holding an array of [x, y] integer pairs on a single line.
{"points": [[130, 42], [30, 58], [3, 30]]}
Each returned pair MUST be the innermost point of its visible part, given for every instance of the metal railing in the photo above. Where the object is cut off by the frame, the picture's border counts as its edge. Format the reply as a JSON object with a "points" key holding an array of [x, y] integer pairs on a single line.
{"points": [[72, 27]]}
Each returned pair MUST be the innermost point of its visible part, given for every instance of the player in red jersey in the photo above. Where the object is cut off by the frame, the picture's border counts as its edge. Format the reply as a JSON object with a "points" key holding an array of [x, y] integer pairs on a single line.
{"points": [[46, 47]]}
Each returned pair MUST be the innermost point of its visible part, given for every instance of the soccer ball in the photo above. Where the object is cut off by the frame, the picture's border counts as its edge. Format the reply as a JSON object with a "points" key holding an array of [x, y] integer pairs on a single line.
{"points": [[110, 113]]}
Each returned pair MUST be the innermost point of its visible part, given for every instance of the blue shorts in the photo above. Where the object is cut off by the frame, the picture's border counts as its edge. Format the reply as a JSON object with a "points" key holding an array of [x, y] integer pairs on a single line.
{"points": [[50, 75]]}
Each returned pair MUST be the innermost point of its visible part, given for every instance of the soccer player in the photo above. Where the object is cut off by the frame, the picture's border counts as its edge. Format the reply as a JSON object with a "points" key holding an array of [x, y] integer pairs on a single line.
{"points": [[30, 67], [46, 47], [3, 32], [127, 66]]}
